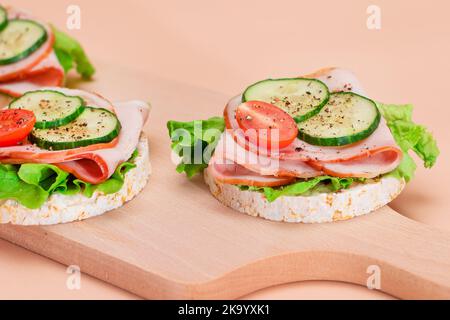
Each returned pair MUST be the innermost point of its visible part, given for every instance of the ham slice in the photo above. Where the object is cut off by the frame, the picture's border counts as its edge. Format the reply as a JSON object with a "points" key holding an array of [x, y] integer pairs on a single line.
{"points": [[338, 79], [227, 171], [371, 157], [41, 68], [95, 163], [49, 73], [368, 167], [91, 98], [228, 149]]}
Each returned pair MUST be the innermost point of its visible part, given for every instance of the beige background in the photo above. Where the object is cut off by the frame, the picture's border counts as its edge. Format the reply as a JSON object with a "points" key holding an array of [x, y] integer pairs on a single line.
{"points": [[225, 45]]}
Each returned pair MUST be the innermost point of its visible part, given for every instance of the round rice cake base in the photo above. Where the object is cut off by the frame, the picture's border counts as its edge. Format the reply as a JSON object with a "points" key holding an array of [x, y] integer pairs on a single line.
{"points": [[67, 208], [358, 200]]}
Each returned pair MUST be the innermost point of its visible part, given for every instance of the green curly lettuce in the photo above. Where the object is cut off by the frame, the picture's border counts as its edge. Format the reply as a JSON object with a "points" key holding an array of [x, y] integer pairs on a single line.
{"points": [[409, 137], [34, 190], [302, 187], [198, 139], [71, 55]]}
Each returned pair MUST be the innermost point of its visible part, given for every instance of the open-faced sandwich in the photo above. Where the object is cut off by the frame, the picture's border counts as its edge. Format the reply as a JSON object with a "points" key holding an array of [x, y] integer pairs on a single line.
{"points": [[69, 155], [34, 54], [309, 149]]}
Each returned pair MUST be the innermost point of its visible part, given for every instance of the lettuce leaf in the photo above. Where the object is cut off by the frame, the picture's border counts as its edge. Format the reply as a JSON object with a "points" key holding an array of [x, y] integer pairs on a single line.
{"points": [[31, 184], [190, 141], [71, 55], [301, 187], [12, 187], [409, 137]]}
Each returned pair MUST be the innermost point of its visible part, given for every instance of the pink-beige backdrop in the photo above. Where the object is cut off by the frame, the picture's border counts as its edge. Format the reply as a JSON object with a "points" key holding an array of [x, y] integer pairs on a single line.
{"points": [[225, 45]]}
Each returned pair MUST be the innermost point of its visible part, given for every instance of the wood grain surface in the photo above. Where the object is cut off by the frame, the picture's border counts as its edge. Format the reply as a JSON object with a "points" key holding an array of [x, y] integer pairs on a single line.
{"points": [[176, 241]]}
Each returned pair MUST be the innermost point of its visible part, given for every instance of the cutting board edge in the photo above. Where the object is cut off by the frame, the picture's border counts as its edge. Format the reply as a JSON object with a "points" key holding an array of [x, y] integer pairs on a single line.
{"points": [[286, 267]]}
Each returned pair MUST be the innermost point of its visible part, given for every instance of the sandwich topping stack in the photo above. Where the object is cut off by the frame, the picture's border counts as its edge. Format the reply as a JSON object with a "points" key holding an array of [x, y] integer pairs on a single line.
{"points": [[307, 149], [66, 154]]}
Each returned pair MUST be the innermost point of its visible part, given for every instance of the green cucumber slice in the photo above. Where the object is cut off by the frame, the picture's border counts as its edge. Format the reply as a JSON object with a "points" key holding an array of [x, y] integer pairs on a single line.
{"points": [[19, 39], [347, 118], [302, 98], [51, 108], [3, 18], [94, 125]]}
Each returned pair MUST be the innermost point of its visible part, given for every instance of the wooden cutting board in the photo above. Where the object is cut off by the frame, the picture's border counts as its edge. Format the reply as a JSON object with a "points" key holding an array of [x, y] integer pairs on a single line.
{"points": [[176, 241]]}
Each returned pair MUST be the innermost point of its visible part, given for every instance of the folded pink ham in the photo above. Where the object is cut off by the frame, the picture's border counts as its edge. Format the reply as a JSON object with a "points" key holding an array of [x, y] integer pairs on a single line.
{"points": [[39, 69], [371, 157], [227, 171]]}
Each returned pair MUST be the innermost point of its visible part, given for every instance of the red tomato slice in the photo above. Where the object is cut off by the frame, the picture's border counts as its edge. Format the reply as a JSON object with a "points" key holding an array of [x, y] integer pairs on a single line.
{"points": [[269, 122], [15, 125]]}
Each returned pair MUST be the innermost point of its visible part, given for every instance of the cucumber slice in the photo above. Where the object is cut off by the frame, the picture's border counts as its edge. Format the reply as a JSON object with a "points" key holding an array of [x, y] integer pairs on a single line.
{"points": [[300, 97], [51, 108], [347, 118], [94, 125], [19, 39], [3, 18]]}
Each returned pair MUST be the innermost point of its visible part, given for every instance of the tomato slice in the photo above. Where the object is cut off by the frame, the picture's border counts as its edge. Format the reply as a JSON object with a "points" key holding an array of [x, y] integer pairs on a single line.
{"points": [[15, 125], [266, 122]]}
